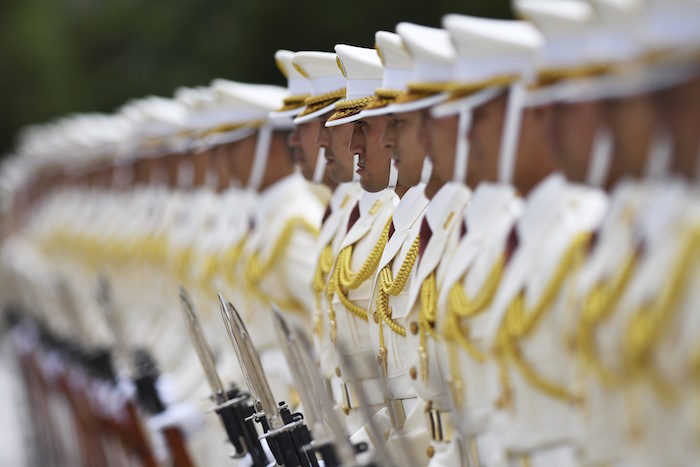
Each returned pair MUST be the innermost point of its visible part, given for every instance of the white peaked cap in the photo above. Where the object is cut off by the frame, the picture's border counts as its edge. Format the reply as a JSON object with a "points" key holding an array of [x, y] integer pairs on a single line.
{"points": [[432, 51], [245, 103], [298, 87], [363, 73], [566, 25], [489, 49], [616, 39], [157, 123], [397, 61], [325, 79], [362, 68], [398, 70], [671, 24], [433, 58]]}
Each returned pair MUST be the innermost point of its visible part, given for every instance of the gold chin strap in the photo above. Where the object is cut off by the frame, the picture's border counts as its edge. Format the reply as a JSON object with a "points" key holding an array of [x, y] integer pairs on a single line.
{"points": [[389, 285], [344, 279], [519, 323], [422, 90]]}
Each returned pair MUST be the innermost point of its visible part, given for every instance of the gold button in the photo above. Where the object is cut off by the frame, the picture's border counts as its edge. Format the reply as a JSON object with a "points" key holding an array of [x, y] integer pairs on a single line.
{"points": [[430, 451], [413, 373], [414, 328], [337, 372], [375, 317]]}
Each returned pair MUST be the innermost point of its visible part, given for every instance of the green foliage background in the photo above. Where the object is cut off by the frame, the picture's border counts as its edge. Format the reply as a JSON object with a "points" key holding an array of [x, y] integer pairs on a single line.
{"points": [[62, 56]]}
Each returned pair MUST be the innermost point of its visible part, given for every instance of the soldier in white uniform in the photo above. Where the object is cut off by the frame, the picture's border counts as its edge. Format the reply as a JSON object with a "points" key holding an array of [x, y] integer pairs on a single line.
{"points": [[394, 325], [349, 286], [327, 87]]}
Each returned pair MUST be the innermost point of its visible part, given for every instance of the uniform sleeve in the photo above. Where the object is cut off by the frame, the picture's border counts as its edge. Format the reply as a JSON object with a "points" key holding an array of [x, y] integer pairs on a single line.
{"points": [[299, 267]]}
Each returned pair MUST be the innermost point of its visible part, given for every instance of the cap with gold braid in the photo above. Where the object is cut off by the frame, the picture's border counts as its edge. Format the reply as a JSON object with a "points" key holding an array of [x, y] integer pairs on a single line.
{"points": [[298, 86], [433, 67], [325, 79], [363, 75], [398, 68]]}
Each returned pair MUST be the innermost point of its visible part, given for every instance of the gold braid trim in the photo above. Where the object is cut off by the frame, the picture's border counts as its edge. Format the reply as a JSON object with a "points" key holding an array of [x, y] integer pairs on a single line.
{"points": [[460, 306], [421, 90], [548, 76], [343, 279], [382, 98], [598, 307], [323, 268], [315, 103], [293, 102], [520, 323], [426, 320], [230, 260], [256, 269], [350, 107], [394, 286], [652, 319], [462, 90]]}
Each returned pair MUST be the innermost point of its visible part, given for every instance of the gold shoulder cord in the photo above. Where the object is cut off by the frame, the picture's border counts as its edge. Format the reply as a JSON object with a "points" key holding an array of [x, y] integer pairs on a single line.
{"points": [[230, 259], [599, 307], [426, 321], [323, 268], [520, 323], [460, 306], [393, 286], [256, 269], [343, 279], [652, 319]]}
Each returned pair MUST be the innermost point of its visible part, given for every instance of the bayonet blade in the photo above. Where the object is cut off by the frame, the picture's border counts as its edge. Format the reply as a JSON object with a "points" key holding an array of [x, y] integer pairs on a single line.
{"points": [[263, 392], [199, 342]]}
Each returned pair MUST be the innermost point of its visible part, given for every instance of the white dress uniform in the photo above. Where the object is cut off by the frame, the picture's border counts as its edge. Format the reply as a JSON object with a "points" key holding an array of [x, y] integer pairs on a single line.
{"points": [[529, 318], [474, 270], [367, 230], [333, 230]]}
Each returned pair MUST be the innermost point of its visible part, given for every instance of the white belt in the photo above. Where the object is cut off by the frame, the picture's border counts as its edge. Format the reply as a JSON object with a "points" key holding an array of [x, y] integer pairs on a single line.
{"points": [[370, 388]]}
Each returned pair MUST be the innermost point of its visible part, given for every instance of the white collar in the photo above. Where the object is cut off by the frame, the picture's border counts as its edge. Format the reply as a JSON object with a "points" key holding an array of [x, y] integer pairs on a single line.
{"points": [[539, 204], [410, 207], [441, 203], [342, 191], [367, 199], [488, 204]]}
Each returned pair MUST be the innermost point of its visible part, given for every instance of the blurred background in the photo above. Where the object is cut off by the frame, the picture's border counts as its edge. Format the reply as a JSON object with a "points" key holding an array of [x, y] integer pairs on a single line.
{"points": [[62, 56]]}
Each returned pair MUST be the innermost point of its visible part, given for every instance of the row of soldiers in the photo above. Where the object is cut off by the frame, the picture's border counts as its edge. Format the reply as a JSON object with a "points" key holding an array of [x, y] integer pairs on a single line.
{"points": [[490, 231]]}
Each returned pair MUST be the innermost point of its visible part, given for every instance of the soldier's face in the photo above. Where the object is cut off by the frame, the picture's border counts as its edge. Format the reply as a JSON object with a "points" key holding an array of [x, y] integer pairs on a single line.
{"points": [[406, 137], [302, 142], [574, 126], [336, 140], [374, 158], [241, 157], [632, 122], [443, 145], [485, 137]]}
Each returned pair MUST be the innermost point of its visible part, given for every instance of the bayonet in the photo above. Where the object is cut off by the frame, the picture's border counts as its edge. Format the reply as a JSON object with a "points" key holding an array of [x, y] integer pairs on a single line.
{"points": [[232, 406], [285, 432]]}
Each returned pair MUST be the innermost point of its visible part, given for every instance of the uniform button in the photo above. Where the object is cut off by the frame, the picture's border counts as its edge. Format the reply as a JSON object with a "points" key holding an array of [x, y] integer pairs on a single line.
{"points": [[413, 373], [375, 317], [430, 451], [414, 328], [337, 372]]}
